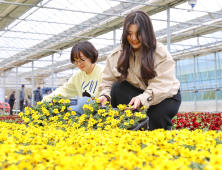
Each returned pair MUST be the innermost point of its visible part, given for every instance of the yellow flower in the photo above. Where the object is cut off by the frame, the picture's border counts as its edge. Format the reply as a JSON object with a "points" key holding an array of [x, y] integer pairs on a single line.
{"points": [[62, 101], [26, 108], [27, 112], [26, 120], [63, 108], [67, 114], [70, 121], [85, 106], [128, 113], [97, 100], [39, 103], [20, 114], [67, 101], [138, 114], [126, 124], [100, 111], [73, 113], [56, 118], [131, 121], [91, 109], [108, 127], [143, 107], [59, 95], [56, 111], [121, 106], [107, 102], [143, 116], [122, 117]]}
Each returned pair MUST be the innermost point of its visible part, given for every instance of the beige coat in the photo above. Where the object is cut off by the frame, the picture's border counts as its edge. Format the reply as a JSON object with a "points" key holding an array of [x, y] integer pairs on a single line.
{"points": [[163, 85]]}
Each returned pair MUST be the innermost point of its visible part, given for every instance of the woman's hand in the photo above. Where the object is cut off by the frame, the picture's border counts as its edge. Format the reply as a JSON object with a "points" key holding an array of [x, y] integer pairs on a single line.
{"points": [[102, 99], [135, 102]]}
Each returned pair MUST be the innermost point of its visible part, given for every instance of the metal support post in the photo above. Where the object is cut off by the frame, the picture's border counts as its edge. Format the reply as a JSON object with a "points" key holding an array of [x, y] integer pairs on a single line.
{"points": [[32, 84], [215, 62], [7, 22], [4, 94], [52, 70], [176, 69], [168, 27], [194, 80], [114, 38]]}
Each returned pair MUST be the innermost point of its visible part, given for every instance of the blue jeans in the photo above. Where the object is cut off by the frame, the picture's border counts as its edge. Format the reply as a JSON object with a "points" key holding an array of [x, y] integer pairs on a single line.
{"points": [[78, 108]]}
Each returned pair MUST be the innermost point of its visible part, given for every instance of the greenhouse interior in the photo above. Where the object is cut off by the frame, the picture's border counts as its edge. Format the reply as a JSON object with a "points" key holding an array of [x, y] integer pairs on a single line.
{"points": [[36, 37], [110, 84]]}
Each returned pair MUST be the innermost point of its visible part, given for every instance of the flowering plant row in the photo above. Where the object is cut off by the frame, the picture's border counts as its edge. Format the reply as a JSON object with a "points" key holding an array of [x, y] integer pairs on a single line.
{"points": [[10, 119], [96, 116], [46, 113], [49, 147], [198, 120]]}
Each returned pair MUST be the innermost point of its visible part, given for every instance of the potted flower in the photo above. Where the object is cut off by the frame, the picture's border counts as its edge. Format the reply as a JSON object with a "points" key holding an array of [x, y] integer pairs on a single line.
{"points": [[57, 112]]}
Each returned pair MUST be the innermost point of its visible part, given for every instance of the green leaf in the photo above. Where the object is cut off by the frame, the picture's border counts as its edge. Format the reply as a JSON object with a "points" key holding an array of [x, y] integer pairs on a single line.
{"points": [[143, 145]]}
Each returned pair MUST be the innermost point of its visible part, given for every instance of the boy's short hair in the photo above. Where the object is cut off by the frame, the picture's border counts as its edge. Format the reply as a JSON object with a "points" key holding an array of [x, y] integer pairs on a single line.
{"points": [[86, 48]]}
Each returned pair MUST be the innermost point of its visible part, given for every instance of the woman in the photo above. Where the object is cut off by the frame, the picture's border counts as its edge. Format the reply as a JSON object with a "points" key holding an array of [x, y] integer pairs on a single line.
{"points": [[141, 72], [84, 82], [12, 100]]}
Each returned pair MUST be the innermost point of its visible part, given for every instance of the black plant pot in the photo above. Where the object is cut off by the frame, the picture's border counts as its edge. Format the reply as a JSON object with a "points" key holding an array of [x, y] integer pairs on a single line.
{"points": [[142, 125]]}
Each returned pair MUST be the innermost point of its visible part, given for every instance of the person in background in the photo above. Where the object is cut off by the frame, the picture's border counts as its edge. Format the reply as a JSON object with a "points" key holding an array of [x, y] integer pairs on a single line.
{"points": [[22, 98], [140, 72], [30, 101], [12, 101], [85, 81], [37, 95], [6, 99], [49, 92], [26, 103]]}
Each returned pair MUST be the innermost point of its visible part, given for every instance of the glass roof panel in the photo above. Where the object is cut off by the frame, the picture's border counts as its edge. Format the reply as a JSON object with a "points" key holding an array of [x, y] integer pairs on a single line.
{"points": [[40, 24]]}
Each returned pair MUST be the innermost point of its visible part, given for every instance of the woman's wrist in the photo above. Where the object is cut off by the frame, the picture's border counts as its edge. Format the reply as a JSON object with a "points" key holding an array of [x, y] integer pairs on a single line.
{"points": [[107, 97]]}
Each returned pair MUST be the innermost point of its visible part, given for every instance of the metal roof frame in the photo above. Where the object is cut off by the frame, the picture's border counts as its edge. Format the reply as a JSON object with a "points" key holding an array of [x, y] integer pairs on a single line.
{"points": [[107, 21], [115, 22]]}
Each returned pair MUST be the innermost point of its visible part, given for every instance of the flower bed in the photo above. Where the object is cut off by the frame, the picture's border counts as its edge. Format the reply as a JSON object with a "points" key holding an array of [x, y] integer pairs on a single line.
{"points": [[198, 120], [55, 139], [51, 148], [10, 119], [95, 117]]}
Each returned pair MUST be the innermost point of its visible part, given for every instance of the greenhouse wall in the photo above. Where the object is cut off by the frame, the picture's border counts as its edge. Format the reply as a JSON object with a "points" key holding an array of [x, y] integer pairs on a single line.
{"points": [[201, 82]]}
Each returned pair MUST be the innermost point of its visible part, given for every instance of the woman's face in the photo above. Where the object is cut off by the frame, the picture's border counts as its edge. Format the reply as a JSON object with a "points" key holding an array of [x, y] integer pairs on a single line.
{"points": [[84, 63], [132, 37]]}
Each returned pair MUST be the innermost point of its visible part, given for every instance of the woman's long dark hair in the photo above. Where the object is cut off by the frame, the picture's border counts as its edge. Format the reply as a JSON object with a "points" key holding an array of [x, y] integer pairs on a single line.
{"points": [[148, 46]]}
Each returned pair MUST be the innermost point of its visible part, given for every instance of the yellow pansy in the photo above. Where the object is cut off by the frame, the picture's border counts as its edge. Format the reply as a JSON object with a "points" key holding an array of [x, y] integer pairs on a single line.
{"points": [[131, 121]]}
